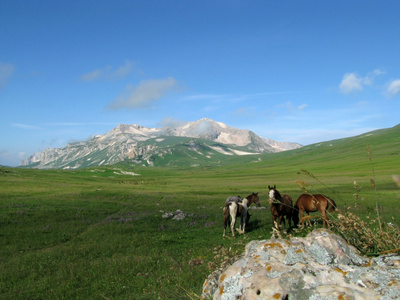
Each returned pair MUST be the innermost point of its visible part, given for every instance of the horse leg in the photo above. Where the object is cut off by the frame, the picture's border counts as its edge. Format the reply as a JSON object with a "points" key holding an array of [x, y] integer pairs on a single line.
{"points": [[325, 218], [223, 235], [308, 219], [280, 222], [302, 216], [241, 227], [226, 220], [274, 224], [233, 216], [243, 219]]}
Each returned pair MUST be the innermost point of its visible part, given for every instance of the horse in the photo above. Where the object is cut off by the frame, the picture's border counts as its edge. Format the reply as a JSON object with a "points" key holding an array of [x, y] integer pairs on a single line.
{"points": [[332, 205], [281, 206], [238, 207], [312, 203]]}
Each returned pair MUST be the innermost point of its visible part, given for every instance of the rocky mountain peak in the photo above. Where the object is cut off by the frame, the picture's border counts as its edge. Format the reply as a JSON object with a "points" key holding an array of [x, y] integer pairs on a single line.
{"points": [[126, 141]]}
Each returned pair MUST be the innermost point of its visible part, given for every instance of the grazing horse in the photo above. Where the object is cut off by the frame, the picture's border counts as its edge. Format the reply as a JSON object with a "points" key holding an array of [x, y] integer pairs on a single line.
{"points": [[238, 207], [312, 203], [332, 205], [281, 206]]}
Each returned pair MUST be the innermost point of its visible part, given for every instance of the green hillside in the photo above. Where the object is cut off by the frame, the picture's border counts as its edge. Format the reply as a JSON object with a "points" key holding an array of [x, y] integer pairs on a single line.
{"points": [[189, 152], [98, 233]]}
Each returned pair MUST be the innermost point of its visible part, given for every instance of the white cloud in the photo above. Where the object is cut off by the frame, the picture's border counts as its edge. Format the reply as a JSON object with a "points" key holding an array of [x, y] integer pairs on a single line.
{"points": [[171, 123], [244, 112], [369, 79], [145, 93], [6, 70], [122, 71], [301, 107], [353, 82], [109, 72], [92, 75], [291, 107], [25, 126], [394, 87]]}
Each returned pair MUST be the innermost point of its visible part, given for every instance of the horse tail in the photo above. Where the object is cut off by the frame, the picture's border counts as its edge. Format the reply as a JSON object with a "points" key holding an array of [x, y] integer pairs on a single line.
{"points": [[331, 205], [295, 213], [225, 211]]}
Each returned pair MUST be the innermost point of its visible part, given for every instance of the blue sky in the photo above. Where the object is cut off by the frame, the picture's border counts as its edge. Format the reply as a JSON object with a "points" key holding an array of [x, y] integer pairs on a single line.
{"points": [[298, 71]]}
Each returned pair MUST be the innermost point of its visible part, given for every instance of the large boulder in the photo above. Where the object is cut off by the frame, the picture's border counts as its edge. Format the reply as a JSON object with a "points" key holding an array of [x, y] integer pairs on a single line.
{"points": [[319, 266]]}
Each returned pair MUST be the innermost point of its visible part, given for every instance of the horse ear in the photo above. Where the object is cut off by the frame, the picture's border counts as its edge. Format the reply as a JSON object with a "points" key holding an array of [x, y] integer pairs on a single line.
{"points": [[269, 187], [274, 186]]}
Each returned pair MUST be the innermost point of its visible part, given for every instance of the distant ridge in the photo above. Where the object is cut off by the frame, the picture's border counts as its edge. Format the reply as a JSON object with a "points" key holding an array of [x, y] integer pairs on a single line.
{"points": [[191, 143]]}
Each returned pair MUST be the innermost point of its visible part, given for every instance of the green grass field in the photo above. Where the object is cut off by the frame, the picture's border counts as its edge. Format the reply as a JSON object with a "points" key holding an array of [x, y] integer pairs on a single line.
{"points": [[99, 234]]}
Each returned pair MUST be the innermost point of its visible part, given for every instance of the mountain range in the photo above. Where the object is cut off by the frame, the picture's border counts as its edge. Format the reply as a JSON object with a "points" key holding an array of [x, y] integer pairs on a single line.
{"points": [[193, 143]]}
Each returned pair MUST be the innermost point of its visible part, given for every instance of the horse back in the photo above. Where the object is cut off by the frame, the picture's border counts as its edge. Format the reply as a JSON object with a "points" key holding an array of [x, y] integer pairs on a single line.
{"points": [[233, 207], [311, 203], [323, 201], [287, 200], [231, 199], [305, 202]]}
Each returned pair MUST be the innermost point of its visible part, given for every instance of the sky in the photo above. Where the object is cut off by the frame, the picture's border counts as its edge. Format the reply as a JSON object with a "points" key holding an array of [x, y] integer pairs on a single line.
{"points": [[295, 71]]}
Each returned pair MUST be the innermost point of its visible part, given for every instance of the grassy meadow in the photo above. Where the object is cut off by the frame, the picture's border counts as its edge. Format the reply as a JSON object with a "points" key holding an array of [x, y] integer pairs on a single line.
{"points": [[98, 233]]}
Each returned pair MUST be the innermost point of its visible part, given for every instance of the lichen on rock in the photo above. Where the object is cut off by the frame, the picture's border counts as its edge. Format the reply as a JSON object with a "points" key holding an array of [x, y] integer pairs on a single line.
{"points": [[319, 266]]}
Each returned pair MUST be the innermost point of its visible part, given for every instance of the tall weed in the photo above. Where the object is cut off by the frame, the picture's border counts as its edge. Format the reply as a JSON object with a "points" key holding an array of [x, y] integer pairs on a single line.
{"points": [[372, 236]]}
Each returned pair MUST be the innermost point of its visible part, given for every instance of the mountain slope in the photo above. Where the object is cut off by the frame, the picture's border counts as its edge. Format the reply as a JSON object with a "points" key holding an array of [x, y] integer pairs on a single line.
{"points": [[379, 147], [194, 143]]}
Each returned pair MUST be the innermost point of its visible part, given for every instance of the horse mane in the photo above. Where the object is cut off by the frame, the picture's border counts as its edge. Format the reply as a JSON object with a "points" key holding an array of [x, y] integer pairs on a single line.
{"points": [[252, 195], [278, 195]]}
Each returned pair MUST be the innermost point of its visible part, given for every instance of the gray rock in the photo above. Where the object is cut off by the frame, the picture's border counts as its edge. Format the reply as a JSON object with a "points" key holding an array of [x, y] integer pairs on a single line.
{"points": [[319, 266]]}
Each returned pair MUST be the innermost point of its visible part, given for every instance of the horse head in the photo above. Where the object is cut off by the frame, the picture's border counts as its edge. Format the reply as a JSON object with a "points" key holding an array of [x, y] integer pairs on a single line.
{"points": [[274, 195], [253, 198], [256, 199]]}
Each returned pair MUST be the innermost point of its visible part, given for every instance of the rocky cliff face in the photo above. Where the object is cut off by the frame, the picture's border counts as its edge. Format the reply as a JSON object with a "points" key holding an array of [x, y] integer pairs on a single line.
{"points": [[140, 143], [319, 266]]}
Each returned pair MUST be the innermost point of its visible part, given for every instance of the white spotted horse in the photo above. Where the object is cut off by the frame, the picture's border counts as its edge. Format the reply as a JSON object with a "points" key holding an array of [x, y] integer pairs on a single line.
{"points": [[235, 207]]}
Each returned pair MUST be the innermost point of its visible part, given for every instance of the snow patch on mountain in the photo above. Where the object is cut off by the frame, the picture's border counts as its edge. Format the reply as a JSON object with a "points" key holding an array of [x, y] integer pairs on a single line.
{"points": [[142, 144]]}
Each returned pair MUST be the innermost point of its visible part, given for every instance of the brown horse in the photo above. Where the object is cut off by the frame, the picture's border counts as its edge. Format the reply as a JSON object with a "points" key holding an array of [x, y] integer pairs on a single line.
{"points": [[281, 206], [312, 203], [332, 205], [238, 207]]}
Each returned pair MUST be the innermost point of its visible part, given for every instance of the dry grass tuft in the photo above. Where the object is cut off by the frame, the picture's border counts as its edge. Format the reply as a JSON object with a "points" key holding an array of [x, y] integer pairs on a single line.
{"points": [[367, 237], [371, 237]]}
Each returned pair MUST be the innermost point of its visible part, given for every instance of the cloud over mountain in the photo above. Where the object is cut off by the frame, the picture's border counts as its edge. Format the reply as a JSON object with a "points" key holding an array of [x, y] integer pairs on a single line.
{"points": [[144, 94], [109, 73]]}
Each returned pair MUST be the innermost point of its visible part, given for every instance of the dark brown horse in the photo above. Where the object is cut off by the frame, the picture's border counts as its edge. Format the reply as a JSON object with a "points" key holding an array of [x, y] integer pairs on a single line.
{"points": [[281, 206], [238, 207], [312, 203]]}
